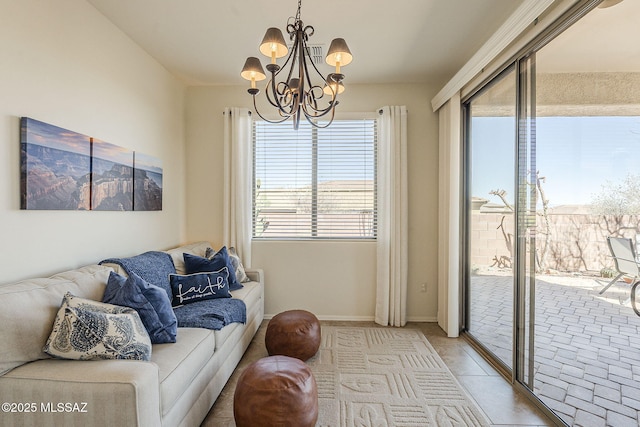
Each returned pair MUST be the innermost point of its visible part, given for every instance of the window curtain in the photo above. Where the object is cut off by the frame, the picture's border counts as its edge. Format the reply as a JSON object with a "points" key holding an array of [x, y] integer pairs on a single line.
{"points": [[391, 287], [449, 195], [238, 181]]}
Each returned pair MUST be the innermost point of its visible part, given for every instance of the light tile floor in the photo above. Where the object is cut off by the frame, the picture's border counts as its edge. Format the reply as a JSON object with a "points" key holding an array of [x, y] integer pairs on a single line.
{"points": [[502, 403], [587, 345]]}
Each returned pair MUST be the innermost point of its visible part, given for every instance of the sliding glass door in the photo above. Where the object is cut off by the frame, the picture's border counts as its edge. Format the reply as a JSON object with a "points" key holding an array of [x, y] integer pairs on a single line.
{"points": [[552, 145], [491, 214]]}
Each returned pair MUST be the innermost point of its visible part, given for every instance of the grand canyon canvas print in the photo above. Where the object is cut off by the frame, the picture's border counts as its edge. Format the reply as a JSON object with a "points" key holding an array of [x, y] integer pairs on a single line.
{"points": [[147, 187], [111, 177], [64, 170], [55, 167]]}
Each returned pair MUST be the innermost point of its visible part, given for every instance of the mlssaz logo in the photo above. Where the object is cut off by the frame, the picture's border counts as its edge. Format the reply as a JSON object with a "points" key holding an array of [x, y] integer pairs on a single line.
{"points": [[80, 407]]}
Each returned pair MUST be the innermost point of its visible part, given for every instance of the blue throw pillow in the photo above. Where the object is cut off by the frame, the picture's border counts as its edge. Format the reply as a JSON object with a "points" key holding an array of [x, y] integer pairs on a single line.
{"points": [[198, 264], [241, 274], [199, 286], [150, 301]]}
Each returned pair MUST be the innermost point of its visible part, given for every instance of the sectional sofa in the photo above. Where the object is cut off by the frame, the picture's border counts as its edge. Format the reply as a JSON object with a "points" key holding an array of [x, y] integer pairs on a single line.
{"points": [[176, 388]]}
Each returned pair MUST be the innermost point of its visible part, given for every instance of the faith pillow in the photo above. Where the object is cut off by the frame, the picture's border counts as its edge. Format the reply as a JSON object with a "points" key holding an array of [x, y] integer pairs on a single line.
{"points": [[196, 287]]}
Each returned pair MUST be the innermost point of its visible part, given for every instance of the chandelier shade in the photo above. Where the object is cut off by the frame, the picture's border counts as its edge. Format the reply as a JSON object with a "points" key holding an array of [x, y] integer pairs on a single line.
{"points": [[253, 71], [339, 54], [297, 88], [273, 44]]}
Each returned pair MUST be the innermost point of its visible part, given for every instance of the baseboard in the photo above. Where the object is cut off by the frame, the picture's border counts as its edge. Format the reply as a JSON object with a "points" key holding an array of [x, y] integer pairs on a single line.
{"points": [[335, 318], [431, 319], [419, 319]]}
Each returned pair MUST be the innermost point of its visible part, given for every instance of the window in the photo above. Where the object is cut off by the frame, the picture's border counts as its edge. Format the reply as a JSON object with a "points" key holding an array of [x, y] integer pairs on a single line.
{"points": [[315, 183]]}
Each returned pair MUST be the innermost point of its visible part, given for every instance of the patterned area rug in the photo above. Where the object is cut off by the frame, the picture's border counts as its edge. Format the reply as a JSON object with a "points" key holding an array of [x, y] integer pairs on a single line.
{"points": [[387, 377]]}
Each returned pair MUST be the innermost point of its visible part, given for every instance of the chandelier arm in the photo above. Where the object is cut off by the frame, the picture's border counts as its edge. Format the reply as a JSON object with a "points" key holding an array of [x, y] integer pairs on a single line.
{"points": [[275, 92], [308, 97], [302, 49], [266, 91], [255, 107], [276, 102], [318, 111], [313, 64], [316, 125], [275, 95], [291, 54], [310, 106], [299, 92], [285, 97], [305, 70]]}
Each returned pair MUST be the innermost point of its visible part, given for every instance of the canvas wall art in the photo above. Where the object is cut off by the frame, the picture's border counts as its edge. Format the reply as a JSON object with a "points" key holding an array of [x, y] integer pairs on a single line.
{"points": [[55, 167], [64, 170], [147, 187], [111, 177]]}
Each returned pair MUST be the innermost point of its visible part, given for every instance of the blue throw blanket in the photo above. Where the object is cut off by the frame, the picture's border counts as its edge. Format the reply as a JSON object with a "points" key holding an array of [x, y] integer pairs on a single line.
{"points": [[155, 267], [211, 314]]}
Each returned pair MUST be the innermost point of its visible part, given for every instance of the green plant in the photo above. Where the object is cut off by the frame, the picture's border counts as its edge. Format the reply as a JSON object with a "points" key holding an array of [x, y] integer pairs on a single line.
{"points": [[607, 272]]}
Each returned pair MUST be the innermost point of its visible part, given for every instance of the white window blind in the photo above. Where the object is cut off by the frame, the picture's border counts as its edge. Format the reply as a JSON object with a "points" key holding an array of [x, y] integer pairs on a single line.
{"points": [[315, 183]]}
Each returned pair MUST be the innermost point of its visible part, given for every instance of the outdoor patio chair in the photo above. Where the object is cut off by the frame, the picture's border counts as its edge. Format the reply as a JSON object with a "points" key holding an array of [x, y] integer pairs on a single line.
{"points": [[624, 256]]}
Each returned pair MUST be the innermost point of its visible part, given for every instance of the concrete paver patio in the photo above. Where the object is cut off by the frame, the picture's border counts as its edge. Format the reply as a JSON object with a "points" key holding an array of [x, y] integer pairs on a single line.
{"points": [[587, 346]]}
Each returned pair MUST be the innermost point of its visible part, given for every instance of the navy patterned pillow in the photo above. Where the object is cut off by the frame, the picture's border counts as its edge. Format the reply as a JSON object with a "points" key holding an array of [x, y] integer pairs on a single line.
{"points": [[199, 286]]}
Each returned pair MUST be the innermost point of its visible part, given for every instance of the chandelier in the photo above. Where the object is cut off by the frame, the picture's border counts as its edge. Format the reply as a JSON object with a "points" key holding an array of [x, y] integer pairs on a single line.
{"points": [[297, 94]]}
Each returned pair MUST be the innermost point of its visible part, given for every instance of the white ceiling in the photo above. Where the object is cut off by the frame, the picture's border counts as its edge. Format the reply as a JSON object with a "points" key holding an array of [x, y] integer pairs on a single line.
{"points": [[205, 42], [605, 40]]}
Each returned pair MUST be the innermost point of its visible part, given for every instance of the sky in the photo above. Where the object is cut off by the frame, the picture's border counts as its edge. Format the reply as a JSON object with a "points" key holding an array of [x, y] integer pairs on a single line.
{"points": [[576, 155], [113, 153], [46, 135]]}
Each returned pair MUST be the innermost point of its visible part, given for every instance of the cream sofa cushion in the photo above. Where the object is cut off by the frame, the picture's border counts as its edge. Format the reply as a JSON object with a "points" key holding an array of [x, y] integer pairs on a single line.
{"points": [[28, 308], [251, 293], [180, 363], [198, 248], [116, 393]]}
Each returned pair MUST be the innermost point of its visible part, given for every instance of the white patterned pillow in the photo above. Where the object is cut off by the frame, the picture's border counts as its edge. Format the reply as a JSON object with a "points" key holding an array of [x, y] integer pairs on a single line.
{"points": [[91, 330], [241, 275]]}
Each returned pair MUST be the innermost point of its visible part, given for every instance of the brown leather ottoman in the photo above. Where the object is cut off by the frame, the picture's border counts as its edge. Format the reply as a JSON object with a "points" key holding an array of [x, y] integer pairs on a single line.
{"points": [[294, 333], [276, 391]]}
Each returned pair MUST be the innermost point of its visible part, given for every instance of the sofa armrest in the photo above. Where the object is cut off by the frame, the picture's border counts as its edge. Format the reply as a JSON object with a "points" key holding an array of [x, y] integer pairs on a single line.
{"points": [[92, 393], [255, 274]]}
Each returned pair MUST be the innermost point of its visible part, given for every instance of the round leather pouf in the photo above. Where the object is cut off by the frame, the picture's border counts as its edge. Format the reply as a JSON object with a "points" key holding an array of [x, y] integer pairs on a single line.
{"points": [[294, 333], [276, 391]]}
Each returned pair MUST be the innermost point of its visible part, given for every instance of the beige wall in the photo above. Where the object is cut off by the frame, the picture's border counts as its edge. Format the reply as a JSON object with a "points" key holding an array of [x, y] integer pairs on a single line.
{"points": [[63, 63], [335, 280]]}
